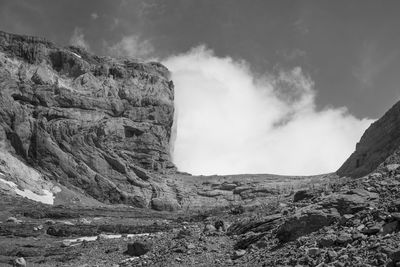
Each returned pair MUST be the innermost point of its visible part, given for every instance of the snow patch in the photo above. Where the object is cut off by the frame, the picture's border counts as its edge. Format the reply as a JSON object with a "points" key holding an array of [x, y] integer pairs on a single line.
{"points": [[102, 236], [46, 198], [10, 184], [75, 54]]}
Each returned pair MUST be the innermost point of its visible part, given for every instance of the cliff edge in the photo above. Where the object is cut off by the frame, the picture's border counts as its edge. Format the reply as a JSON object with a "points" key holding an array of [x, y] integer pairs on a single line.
{"points": [[72, 120]]}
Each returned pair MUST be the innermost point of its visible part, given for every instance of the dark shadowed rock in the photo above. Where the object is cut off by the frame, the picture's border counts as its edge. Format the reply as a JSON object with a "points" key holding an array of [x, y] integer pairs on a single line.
{"points": [[261, 224], [138, 248], [248, 239], [390, 227], [183, 234], [303, 194], [306, 220], [380, 143], [219, 225], [371, 230], [327, 241]]}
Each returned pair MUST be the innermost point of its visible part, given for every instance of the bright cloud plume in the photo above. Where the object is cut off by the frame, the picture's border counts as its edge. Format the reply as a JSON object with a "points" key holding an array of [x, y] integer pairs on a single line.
{"points": [[131, 46], [230, 122], [78, 39]]}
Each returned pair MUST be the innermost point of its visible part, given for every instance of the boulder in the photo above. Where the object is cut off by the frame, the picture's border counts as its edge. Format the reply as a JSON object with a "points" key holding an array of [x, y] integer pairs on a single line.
{"points": [[43, 76], [327, 240], [306, 220], [19, 262], [332, 255], [346, 203], [371, 230], [183, 234], [303, 194], [256, 225], [220, 225], [390, 227], [228, 186], [238, 254], [138, 248]]}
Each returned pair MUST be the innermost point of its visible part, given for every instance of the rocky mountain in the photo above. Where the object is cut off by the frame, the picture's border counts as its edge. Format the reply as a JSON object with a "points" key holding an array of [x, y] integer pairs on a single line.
{"points": [[80, 131], [378, 147], [74, 122]]}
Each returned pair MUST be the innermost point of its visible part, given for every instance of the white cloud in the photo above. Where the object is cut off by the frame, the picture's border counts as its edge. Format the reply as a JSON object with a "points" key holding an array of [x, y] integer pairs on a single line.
{"points": [[230, 122], [78, 39], [94, 16], [131, 46]]}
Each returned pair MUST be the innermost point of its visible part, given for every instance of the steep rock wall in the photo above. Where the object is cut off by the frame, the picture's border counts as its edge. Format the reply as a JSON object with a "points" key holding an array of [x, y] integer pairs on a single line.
{"points": [[379, 145], [98, 125]]}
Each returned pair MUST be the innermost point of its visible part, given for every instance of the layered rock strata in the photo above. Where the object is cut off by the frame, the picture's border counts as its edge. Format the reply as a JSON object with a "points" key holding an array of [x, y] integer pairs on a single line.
{"points": [[97, 125]]}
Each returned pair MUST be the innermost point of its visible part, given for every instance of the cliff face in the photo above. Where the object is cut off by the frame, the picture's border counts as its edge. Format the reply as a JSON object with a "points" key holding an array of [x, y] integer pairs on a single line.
{"points": [[94, 124], [380, 145]]}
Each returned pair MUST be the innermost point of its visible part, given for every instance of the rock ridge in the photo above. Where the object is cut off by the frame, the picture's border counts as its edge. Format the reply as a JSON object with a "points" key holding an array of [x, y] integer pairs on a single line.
{"points": [[378, 147]]}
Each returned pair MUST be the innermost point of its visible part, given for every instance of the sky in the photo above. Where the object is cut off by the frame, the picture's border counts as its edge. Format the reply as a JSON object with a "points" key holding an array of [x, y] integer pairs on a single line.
{"points": [[293, 85]]}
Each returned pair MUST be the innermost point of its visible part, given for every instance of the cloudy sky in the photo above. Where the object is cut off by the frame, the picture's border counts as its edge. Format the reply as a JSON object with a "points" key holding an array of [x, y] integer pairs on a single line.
{"points": [[259, 84]]}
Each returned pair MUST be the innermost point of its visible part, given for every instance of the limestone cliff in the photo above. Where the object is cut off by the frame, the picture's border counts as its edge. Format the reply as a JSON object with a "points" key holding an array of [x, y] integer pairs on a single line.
{"points": [[380, 145], [97, 125]]}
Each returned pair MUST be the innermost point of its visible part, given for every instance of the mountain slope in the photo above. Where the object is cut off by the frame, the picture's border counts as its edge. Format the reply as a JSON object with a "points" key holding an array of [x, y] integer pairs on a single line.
{"points": [[380, 144]]}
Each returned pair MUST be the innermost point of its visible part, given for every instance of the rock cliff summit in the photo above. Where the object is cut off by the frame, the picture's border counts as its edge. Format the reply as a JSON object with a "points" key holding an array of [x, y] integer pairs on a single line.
{"points": [[75, 121]]}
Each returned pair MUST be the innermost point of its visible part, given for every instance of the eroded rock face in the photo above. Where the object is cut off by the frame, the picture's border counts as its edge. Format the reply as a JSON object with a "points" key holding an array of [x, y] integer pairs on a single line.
{"points": [[379, 145], [97, 125]]}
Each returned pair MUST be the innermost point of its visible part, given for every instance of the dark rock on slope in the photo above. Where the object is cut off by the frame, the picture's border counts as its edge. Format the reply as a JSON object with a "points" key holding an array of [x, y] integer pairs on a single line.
{"points": [[379, 145], [97, 125]]}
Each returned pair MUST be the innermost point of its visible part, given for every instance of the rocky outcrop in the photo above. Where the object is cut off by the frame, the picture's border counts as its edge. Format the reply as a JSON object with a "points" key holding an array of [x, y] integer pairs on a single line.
{"points": [[97, 125], [379, 145], [255, 225], [306, 220]]}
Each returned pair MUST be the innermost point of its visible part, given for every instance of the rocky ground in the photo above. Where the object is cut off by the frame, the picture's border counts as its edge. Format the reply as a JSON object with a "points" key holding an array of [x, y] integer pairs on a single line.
{"points": [[86, 178], [55, 235], [341, 222]]}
